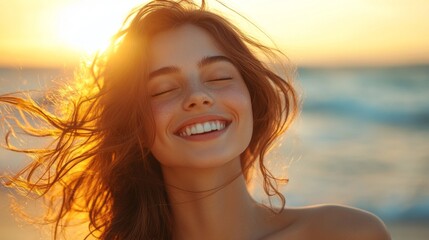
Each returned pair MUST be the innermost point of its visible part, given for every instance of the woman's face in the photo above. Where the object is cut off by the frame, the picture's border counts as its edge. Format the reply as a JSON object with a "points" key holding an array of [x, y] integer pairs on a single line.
{"points": [[200, 103]]}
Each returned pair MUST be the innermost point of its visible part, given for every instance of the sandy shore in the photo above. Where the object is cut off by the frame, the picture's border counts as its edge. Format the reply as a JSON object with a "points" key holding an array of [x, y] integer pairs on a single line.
{"points": [[10, 229]]}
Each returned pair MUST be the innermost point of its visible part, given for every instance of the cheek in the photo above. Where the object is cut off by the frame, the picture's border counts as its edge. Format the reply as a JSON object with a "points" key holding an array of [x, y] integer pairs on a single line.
{"points": [[162, 113], [239, 101], [246, 114], [246, 108], [239, 98]]}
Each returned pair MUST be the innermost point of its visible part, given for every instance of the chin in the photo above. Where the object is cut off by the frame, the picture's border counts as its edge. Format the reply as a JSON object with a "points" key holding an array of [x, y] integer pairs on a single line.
{"points": [[200, 161]]}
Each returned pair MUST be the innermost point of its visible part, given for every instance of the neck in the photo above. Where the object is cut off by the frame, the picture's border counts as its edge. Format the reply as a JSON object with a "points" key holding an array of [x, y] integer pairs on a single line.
{"points": [[211, 202]]}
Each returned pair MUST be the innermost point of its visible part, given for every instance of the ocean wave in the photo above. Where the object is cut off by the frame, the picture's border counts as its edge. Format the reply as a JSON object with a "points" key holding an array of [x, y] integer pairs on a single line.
{"points": [[406, 117], [398, 96]]}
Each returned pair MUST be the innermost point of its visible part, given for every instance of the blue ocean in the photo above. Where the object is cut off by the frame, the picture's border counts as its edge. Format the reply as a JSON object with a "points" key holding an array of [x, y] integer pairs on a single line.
{"points": [[362, 138]]}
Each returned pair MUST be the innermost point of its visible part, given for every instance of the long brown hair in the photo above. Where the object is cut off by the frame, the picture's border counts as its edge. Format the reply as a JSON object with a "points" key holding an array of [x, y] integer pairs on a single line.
{"points": [[100, 162]]}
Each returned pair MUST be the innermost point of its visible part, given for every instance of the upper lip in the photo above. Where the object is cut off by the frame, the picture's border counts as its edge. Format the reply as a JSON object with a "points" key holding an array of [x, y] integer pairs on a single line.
{"points": [[200, 119]]}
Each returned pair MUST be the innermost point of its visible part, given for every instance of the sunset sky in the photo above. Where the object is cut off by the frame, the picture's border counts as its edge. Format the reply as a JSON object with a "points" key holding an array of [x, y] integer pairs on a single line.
{"points": [[45, 33]]}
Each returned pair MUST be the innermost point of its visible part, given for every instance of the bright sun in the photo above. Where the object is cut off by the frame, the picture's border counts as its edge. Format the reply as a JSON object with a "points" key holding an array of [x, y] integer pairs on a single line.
{"points": [[86, 26]]}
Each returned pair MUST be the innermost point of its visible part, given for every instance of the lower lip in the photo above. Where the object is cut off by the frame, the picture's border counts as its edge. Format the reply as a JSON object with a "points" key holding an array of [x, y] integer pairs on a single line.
{"points": [[205, 136]]}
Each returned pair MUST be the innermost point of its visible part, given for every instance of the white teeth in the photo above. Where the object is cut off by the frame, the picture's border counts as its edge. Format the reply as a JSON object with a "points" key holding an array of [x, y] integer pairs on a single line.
{"points": [[194, 130], [199, 128], [207, 127]]}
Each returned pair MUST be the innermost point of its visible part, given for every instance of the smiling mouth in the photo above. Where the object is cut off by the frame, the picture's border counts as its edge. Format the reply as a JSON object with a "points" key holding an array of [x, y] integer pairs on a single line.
{"points": [[202, 128]]}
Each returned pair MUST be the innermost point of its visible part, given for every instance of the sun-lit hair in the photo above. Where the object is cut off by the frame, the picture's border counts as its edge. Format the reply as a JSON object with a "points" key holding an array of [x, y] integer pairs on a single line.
{"points": [[100, 163]]}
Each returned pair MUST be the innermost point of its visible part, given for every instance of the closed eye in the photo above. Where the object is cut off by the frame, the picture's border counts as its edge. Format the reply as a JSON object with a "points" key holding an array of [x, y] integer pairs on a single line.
{"points": [[220, 79], [164, 92]]}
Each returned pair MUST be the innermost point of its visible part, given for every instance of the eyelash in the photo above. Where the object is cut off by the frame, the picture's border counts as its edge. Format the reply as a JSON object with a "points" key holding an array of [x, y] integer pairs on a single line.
{"points": [[170, 90], [163, 92], [220, 79]]}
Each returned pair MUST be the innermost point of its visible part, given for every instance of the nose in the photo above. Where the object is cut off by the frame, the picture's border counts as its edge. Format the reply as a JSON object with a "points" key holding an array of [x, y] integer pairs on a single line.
{"points": [[197, 98]]}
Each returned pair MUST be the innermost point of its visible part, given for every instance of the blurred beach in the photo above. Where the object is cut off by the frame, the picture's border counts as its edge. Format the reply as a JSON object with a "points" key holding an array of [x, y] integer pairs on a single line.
{"points": [[361, 140]]}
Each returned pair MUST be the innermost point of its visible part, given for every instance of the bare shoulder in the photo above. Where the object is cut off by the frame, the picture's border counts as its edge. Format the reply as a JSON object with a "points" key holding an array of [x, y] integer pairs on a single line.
{"points": [[332, 222], [341, 222]]}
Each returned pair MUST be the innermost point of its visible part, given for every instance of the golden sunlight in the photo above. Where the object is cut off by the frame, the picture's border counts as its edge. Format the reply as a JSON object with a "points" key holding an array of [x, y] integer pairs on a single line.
{"points": [[333, 32], [86, 26]]}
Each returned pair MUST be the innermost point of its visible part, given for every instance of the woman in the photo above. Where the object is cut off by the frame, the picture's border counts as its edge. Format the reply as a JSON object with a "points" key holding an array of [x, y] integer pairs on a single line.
{"points": [[162, 141]]}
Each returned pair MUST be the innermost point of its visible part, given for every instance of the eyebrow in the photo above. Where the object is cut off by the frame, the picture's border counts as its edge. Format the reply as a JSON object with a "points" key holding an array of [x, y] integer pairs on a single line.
{"points": [[202, 63], [213, 59]]}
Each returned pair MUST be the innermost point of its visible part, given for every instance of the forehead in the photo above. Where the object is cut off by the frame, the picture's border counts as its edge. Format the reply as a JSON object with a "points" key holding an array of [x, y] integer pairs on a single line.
{"points": [[187, 44]]}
